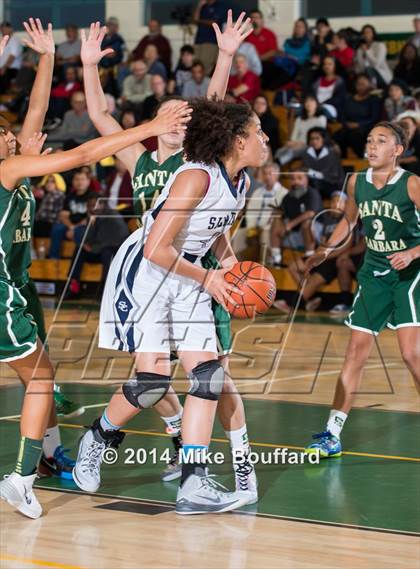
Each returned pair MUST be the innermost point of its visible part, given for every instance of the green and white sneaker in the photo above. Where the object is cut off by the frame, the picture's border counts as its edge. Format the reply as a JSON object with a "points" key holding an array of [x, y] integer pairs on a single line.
{"points": [[65, 407]]}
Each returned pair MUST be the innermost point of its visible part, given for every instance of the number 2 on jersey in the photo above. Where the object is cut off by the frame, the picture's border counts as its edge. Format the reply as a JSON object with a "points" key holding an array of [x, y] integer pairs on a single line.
{"points": [[379, 226]]}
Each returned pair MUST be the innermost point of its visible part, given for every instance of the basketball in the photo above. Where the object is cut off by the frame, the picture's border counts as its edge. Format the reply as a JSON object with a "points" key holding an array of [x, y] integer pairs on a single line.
{"points": [[258, 286]]}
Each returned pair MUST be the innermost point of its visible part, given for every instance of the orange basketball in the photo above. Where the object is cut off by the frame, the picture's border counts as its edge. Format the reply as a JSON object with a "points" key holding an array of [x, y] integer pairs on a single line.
{"points": [[258, 286]]}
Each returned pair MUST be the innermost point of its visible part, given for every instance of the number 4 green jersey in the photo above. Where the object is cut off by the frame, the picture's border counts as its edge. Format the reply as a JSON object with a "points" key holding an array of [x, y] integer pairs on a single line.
{"points": [[390, 219], [150, 177], [17, 210]]}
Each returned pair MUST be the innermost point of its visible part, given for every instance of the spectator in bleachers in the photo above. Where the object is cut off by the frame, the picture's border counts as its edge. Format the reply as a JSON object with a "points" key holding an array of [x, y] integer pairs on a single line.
{"points": [[137, 86], [158, 85], [261, 206], [114, 41], [183, 70], [410, 160], [157, 39], [105, 233], [398, 100], [119, 190], [244, 85], [248, 50], [128, 119], [322, 42], [311, 116], [330, 89], [262, 38], [293, 227], [322, 163], [371, 57], [61, 93], [94, 184], [322, 274], [11, 58], [154, 64], [408, 66], [269, 122], [342, 51], [22, 86], [361, 111], [415, 40], [76, 127], [68, 52], [198, 84], [72, 218], [50, 195], [298, 47], [207, 13]]}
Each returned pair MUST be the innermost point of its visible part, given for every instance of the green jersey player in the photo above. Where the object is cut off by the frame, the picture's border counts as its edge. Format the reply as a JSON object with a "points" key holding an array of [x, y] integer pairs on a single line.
{"points": [[150, 171], [387, 200]]}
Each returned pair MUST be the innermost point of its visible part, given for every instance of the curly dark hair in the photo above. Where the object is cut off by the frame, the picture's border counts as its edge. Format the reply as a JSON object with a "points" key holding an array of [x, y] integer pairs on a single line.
{"points": [[213, 128], [397, 130]]}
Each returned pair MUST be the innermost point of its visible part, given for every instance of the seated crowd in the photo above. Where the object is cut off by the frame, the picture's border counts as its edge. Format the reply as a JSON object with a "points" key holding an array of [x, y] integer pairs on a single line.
{"points": [[317, 96]]}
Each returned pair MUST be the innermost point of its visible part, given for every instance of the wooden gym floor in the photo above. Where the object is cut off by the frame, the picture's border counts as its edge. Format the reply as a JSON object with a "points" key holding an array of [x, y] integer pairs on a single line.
{"points": [[358, 511]]}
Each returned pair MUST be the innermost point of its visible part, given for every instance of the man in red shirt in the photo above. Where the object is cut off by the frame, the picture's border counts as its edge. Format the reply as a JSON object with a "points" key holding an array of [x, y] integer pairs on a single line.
{"points": [[264, 40], [244, 85], [156, 38]]}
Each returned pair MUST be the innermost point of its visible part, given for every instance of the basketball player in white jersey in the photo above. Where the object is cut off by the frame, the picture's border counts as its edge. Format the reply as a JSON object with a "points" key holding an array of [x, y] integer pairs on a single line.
{"points": [[158, 297]]}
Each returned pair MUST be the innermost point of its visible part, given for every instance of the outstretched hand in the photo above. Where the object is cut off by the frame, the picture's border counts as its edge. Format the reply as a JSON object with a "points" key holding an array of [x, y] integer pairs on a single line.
{"points": [[234, 34], [314, 260], [91, 52], [172, 117], [33, 146], [39, 40]]}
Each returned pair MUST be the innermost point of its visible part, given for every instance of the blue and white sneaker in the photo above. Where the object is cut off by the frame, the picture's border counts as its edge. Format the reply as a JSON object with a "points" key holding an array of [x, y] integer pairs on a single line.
{"points": [[325, 444], [58, 465]]}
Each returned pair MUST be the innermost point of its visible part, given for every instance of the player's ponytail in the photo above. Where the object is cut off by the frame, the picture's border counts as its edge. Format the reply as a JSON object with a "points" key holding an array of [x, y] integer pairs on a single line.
{"points": [[213, 128]]}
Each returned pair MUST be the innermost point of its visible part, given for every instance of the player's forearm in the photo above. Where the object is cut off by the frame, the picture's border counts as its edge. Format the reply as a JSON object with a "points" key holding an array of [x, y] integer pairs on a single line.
{"points": [[95, 99], [219, 81], [223, 250], [415, 251], [39, 99], [339, 235]]}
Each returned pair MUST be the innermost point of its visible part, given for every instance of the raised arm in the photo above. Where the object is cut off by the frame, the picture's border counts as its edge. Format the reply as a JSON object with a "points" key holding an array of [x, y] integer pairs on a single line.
{"points": [[41, 42], [91, 54], [228, 42], [13, 169]]}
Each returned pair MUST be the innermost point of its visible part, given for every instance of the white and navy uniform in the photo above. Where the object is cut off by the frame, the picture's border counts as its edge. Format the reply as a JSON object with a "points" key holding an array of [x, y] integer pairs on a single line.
{"points": [[146, 308]]}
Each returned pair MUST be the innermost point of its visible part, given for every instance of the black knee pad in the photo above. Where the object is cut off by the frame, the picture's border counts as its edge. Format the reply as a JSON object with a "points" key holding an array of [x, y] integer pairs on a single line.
{"points": [[146, 389], [207, 380]]}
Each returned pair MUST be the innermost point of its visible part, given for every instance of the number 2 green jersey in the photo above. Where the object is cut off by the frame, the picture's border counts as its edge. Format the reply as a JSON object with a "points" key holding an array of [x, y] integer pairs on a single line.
{"points": [[17, 209], [390, 219], [150, 177]]}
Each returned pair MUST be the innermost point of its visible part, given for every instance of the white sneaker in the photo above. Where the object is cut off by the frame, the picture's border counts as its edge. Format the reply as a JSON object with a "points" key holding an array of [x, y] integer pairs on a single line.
{"points": [[201, 494], [17, 491], [340, 309], [246, 484], [282, 306], [87, 472], [174, 468]]}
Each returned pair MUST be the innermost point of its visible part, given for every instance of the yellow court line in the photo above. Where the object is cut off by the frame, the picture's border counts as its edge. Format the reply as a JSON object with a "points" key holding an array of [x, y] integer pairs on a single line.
{"points": [[39, 562], [253, 443]]}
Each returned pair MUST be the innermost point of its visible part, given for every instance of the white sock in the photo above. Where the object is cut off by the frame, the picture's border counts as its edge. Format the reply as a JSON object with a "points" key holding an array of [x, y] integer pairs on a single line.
{"points": [[276, 254], [336, 422], [173, 424], [238, 439], [51, 441]]}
